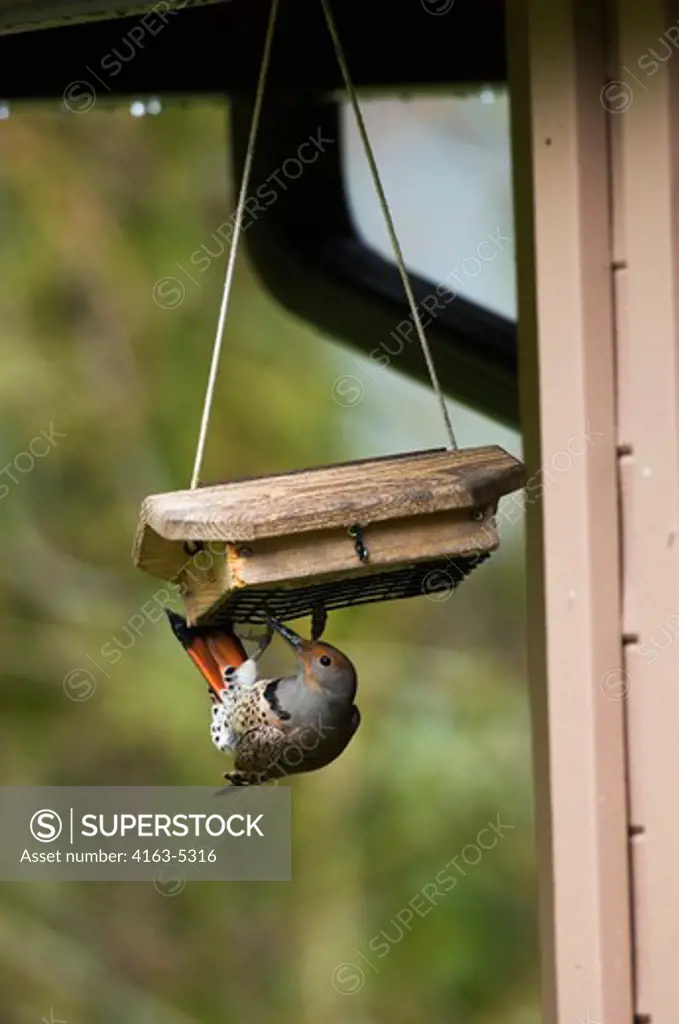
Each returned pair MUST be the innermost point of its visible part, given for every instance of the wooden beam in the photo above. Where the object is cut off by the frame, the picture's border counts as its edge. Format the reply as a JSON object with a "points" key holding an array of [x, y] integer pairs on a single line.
{"points": [[567, 352], [644, 102]]}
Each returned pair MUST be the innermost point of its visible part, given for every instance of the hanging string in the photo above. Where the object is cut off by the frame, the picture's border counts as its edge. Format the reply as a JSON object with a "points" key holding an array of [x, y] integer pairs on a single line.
{"points": [[238, 221], [341, 60], [228, 279]]}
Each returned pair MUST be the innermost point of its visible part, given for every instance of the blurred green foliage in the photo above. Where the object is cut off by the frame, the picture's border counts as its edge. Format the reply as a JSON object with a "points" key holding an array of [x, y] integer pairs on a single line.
{"points": [[95, 209]]}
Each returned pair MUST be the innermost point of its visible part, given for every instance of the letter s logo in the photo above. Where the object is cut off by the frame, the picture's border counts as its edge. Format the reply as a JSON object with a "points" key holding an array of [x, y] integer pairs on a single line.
{"points": [[46, 826]]}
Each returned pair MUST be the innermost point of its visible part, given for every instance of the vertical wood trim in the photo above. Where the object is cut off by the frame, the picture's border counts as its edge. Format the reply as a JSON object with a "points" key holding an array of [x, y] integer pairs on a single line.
{"points": [[566, 336], [647, 171]]}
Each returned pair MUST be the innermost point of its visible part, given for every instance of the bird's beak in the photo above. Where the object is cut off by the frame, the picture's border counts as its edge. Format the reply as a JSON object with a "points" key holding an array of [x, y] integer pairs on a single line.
{"points": [[294, 639]]}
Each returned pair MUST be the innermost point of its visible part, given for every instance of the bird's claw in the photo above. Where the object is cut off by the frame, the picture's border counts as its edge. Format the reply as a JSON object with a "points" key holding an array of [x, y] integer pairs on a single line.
{"points": [[235, 778], [263, 642], [319, 620]]}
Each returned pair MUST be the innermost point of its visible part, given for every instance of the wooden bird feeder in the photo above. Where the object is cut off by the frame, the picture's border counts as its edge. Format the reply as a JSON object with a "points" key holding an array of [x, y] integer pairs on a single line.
{"points": [[358, 532], [306, 542]]}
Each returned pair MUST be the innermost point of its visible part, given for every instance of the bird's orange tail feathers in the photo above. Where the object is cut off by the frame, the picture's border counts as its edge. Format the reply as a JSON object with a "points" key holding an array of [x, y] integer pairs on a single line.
{"points": [[212, 650]]}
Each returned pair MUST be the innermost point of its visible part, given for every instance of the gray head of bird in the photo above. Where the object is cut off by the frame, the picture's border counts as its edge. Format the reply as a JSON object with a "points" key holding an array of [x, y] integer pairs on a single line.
{"points": [[323, 667]]}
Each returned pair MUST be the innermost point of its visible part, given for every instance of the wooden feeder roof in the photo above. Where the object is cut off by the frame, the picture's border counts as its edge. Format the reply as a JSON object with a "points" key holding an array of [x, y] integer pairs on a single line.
{"points": [[367, 491]]}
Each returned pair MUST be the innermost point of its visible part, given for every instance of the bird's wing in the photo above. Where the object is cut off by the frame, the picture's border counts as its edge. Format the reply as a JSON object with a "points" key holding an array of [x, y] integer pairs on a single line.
{"points": [[259, 749], [270, 751], [214, 651], [320, 744]]}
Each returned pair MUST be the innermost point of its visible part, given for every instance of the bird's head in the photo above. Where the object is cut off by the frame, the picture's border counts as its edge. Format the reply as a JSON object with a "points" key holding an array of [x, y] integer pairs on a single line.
{"points": [[323, 666]]}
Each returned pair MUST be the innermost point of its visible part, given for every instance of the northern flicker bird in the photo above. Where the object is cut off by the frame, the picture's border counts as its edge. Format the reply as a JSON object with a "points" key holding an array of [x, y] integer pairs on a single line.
{"points": [[273, 727]]}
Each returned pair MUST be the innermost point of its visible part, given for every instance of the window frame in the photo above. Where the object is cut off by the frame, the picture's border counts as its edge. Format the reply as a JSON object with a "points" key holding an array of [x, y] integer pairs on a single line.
{"points": [[306, 249]]}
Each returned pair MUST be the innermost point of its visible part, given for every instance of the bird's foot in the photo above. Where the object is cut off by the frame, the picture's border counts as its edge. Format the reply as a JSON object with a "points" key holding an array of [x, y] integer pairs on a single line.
{"points": [[263, 642], [237, 778], [319, 620]]}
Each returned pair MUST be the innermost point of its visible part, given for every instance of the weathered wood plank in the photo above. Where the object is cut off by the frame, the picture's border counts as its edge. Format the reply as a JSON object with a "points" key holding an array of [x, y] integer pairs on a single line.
{"points": [[393, 543], [337, 496], [204, 581], [156, 555]]}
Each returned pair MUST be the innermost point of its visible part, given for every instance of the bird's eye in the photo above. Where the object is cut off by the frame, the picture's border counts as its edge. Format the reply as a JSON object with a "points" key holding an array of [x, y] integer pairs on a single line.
{"points": [[325, 660]]}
